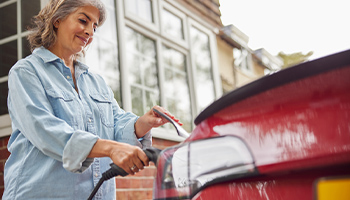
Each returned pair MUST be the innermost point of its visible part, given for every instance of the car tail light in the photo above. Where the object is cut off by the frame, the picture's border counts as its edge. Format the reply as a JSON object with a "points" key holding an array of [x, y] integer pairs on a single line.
{"points": [[185, 169]]}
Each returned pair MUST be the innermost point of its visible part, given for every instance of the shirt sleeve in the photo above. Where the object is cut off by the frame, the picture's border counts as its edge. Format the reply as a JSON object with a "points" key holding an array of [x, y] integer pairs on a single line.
{"points": [[124, 128], [146, 140], [32, 114]]}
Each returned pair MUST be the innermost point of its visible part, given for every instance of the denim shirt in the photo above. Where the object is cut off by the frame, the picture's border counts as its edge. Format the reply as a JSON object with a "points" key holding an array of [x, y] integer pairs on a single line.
{"points": [[55, 127]]}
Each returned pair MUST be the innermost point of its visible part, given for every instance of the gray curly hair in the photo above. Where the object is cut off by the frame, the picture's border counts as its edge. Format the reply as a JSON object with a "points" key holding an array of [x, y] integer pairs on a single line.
{"points": [[43, 32]]}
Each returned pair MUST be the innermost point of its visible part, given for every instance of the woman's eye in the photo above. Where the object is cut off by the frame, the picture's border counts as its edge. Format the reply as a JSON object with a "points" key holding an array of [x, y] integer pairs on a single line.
{"points": [[82, 21]]}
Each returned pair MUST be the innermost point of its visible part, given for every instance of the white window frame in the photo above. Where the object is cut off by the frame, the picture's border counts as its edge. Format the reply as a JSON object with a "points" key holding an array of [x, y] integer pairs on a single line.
{"points": [[169, 134], [247, 69], [5, 120], [154, 31], [214, 63], [182, 42], [142, 22]]}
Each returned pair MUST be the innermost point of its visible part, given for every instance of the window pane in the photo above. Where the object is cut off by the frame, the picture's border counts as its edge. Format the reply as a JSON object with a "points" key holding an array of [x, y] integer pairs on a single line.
{"points": [[108, 2], [108, 29], [172, 25], [136, 100], [8, 57], [143, 73], [8, 22], [150, 73], [29, 9], [147, 47], [25, 47], [151, 100], [142, 8], [131, 38], [203, 64], [3, 98], [176, 88], [145, 9], [134, 65]]}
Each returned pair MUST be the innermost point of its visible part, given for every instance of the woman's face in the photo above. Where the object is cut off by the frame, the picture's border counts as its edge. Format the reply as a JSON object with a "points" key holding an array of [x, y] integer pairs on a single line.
{"points": [[76, 31]]}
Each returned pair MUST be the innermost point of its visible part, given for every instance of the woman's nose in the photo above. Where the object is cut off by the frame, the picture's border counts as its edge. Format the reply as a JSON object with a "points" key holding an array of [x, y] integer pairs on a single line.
{"points": [[89, 31]]}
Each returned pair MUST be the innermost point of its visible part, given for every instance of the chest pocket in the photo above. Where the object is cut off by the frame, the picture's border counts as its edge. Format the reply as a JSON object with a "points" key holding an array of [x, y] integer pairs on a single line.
{"points": [[104, 105], [64, 105]]}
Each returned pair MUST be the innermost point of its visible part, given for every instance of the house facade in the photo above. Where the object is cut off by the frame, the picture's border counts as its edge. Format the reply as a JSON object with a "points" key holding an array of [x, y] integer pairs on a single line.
{"points": [[173, 53]]}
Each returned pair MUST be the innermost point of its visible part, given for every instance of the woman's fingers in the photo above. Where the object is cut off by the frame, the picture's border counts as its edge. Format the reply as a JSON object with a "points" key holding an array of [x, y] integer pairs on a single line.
{"points": [[130, 158], [163, 120]]}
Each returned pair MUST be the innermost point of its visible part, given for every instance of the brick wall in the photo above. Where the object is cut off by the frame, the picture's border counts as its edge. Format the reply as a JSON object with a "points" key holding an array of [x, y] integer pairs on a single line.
{"points": [[4, 154], [135, 187]]}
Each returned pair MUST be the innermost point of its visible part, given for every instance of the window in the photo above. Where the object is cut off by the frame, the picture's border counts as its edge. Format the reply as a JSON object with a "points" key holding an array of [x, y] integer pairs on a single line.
{"points": [[203, 66], [176, 87], [180, 57], [242, 59], [13, 43], [141, 8], [172, 25], [142, 68]]}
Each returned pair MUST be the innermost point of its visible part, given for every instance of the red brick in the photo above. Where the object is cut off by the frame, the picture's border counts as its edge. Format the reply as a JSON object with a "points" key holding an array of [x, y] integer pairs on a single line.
{"points": [[147, 171], [122, 182], [140, 195], [2, 165], [4, 154], [122, 195], [147, 183], [4, 141], [134, 195], [1, 179], [135, 183], [128, 183], [1, 191]]}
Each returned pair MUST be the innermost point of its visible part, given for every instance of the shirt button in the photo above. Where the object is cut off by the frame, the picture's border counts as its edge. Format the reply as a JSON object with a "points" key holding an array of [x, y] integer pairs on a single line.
{"points": [[68, 77], [96, 175], [90, 120]]}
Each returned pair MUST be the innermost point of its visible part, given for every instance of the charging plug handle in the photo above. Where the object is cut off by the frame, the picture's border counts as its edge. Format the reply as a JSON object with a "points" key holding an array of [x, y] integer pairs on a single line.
{"points": [[152, 154]]}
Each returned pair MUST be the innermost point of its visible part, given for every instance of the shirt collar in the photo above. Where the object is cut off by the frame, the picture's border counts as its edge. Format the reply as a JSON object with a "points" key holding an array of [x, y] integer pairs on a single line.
{"points": [[45, 55], [81, 67], [48, 56]]}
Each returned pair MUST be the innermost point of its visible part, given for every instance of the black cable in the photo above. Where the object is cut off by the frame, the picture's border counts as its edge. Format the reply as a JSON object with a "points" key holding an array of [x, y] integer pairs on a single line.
{"points": [[96, 189], [112, 172], [152, 154]]}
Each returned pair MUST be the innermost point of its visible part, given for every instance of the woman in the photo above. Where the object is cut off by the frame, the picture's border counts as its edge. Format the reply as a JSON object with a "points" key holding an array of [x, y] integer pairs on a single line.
{"points": [[67, 126]]}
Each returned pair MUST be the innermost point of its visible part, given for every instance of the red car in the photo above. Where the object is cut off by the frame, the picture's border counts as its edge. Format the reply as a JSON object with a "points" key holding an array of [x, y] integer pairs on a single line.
{"points": [[284, 136]]}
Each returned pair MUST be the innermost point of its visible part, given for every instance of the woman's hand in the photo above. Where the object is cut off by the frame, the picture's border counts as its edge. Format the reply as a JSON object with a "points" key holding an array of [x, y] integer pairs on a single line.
{"points": [[130, 158], [151, 119]]}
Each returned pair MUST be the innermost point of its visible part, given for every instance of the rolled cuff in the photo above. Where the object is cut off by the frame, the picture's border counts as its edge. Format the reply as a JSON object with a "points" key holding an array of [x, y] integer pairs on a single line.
{"points": [[146, 140], [76, 151], [128, 136]]}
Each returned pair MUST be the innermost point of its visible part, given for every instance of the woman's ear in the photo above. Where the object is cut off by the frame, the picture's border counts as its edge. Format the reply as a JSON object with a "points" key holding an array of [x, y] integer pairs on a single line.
{"points": [[56, 23]]}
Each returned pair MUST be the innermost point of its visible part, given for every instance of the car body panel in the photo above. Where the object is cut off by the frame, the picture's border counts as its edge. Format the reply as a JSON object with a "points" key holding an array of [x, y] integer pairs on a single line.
{"points": [[296, 124]]}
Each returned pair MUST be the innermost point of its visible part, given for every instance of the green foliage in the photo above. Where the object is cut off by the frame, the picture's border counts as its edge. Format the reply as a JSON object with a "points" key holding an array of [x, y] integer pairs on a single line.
{"points": [[294, 58]]}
